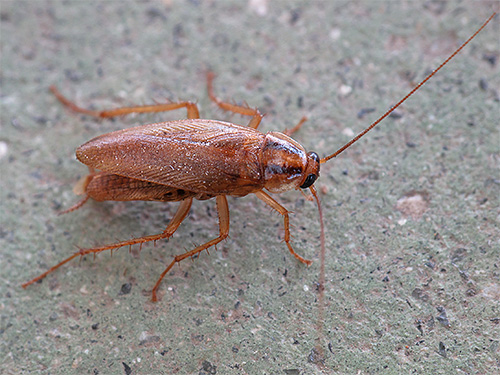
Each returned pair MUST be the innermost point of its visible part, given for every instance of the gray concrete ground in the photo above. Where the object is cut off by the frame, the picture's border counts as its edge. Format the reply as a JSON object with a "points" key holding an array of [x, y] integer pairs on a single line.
{"points": [[411, 211]]}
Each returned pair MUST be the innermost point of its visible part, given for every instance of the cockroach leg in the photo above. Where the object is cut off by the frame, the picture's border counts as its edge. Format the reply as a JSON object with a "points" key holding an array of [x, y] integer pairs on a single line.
{"points": [[175, 222], [241, 109], [76, 206], [308, 197], [296, 127], [68, 103], [192, 109], [223, 212], [266, 198]]}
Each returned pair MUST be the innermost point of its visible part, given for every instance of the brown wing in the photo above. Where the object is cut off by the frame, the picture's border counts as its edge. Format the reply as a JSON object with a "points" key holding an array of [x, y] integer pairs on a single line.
{"points": [[203, 156], [105, 186]]}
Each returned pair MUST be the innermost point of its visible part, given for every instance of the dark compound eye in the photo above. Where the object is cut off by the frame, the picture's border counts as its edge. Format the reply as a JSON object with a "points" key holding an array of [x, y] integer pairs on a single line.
{"points": [[309, 181]]}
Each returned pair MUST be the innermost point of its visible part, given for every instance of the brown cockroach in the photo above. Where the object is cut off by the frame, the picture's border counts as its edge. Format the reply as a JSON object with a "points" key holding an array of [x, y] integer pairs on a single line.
{"points": [[200, 159]]}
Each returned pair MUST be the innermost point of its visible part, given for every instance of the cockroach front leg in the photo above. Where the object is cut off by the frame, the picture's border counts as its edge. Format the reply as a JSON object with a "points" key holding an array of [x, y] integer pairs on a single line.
{"points": [[241, 109], [266, 198], [175, 222], [223, 211], [192, 109]]}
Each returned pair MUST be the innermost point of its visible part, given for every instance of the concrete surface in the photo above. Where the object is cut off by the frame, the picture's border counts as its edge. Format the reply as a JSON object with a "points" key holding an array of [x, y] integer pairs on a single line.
{"points": [[411, 211]]}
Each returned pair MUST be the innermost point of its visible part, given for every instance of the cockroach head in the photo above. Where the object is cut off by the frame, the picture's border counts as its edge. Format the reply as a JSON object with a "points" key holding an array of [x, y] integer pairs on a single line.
{"points": [[286, 164], [312, 170]]}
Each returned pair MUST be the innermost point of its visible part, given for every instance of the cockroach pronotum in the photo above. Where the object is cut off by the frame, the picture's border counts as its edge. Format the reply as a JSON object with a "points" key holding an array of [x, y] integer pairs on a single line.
{"points": [[200, 159]]}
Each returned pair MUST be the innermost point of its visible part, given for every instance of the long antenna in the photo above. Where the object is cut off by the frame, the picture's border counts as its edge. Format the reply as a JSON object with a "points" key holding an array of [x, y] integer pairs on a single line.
{"points": [[347, 145]]}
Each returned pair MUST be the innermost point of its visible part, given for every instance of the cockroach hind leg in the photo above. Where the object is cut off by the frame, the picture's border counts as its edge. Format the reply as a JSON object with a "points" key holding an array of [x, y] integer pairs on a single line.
{"points": [[179, 216], [192, 109], [69, 104]]}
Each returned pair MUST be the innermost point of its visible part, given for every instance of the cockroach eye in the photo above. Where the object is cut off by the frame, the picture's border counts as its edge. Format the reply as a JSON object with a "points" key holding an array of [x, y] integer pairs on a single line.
{"points": [[312, 170], [309, 181]]}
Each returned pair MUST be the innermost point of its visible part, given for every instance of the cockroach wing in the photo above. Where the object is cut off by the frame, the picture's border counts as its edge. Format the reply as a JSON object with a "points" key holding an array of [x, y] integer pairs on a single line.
{"points": [[203, 156], [104, 186]]}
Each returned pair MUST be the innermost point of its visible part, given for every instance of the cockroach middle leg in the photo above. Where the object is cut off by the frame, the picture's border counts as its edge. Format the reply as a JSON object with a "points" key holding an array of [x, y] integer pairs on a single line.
{"points": [[244, 110], [241, 109], [223, 212], [266, 198], [175, 222], [296, 127], [192, 108]]}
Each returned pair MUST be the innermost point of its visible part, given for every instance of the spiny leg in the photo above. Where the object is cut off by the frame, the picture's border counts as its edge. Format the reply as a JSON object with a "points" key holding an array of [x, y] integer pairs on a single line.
{"points": [[179, 216], [223, 212], [192, 109], [266, 198], [241, 109]]}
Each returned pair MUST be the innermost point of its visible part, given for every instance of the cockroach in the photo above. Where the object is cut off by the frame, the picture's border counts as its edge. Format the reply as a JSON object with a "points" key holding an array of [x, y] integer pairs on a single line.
{"points": [[200, 159]]}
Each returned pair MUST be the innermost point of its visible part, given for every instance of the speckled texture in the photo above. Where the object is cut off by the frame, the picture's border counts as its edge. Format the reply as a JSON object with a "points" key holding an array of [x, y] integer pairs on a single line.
{"points": [[405, 292]]}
